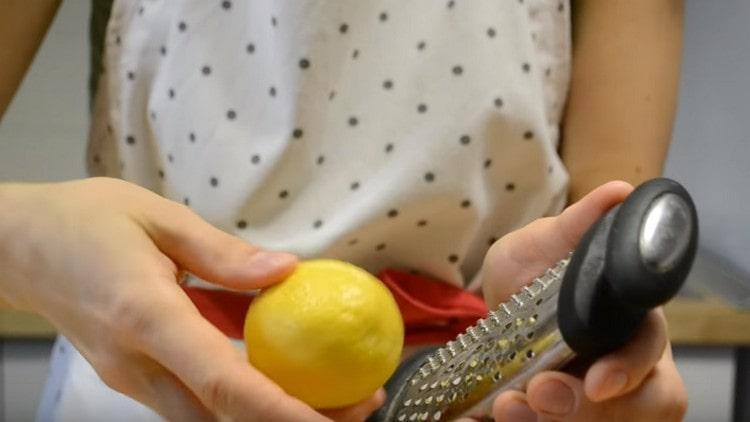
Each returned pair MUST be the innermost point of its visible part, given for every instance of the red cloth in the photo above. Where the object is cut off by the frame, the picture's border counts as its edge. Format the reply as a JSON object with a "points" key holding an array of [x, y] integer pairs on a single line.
{"points": [[433, 311]]}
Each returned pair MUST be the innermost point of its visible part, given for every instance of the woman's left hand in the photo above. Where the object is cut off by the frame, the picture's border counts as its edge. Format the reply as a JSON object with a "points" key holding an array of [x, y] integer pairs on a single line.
{"points": [[638, 382]]}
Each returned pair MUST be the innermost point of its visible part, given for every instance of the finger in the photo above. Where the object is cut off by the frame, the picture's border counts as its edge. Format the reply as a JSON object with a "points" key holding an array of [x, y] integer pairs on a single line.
{"points": [[359, 411], [512, 406], [623, 370], [559, 396], [520, 256], [210, 253], [661, 397], [207, 363], [169, 397]]}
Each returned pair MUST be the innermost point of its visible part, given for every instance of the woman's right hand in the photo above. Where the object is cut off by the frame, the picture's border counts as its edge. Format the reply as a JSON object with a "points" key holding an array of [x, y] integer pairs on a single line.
{"points": [[100, 258]]}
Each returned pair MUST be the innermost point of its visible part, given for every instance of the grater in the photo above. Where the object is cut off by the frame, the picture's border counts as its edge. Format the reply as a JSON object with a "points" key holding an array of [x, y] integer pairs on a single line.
{"points": [[589, 303]]}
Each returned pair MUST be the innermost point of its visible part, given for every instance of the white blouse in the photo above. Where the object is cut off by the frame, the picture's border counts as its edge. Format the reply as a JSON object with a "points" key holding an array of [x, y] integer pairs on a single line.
{"points": [[386, 133]]}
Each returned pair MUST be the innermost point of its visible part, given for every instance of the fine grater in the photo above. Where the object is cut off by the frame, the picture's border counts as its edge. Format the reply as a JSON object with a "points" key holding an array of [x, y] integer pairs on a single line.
{"points": [[632, 259]]}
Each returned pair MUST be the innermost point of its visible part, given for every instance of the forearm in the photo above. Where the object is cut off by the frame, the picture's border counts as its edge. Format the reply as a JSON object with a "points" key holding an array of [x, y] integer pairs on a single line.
{"points": [[23, 24], [620, 110]]}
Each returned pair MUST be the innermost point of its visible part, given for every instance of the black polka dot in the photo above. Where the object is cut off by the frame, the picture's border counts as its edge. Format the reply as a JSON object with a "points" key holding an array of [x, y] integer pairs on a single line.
{"points": [[297, 133], [170, 93], [206, 70], [250, 48], [429, 177], [140, 10], [353, 242], [380, 247], [458, 70], [526, 67], [383, 16], [353, 121], [421, 45], [241, 224], [274, 22], [487, 163], [131, 76], [491, 241], [318, 224], [421, 223], [182, 26], [331, 95], [387, 84], [465, 140], [231, 114], [355, 54], [547, 72], [388, 148], [255, 159], [170, 158], [528, 135], [343, 28], [450, 4], [214, 181], [152, 115], [498, 102], [226, 4], [283, 194], [163, 50], [491, 32], [510, 187], [321, 159], [422, 108], [465, 203], [96, 159], [118, 40], [393, 213], [272, 91], [304, 63], [560, 7], [186, 201], [453, 258], [354, 186], [130, 139], [109, 128], [191, 136], [549, 169]]}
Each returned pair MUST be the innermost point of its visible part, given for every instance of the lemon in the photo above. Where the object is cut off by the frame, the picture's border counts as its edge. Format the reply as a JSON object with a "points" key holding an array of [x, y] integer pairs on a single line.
{"points": [[330, 334]]}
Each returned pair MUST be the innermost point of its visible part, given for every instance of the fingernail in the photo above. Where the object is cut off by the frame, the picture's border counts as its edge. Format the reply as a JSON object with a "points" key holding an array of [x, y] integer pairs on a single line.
{"points": [[518, 411], [609, 385], [556, 398]]}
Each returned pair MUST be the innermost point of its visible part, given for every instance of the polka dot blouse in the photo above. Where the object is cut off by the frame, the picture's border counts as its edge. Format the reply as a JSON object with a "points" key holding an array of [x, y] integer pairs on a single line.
{"points": [[394, 134]]}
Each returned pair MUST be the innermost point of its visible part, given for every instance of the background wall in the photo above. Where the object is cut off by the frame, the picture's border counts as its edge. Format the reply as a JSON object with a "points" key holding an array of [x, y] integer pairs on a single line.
{"points": [[42, 138]]}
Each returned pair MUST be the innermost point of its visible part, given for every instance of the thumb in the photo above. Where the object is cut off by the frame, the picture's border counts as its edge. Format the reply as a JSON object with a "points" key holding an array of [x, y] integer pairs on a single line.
{"points": [[518, 257], [209, 253]]}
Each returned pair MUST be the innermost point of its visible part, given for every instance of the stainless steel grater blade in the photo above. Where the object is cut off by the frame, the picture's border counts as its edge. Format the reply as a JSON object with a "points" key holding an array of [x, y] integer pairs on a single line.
{"points": [[634, 258], [502, 351]]}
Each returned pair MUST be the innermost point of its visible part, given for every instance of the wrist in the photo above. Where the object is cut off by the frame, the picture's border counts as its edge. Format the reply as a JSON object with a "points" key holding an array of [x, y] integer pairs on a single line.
{"points": [[16, 228]]}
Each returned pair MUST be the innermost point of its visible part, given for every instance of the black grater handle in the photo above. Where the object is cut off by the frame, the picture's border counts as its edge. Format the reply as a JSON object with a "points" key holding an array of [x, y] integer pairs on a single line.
{"points": [[636, 257]]}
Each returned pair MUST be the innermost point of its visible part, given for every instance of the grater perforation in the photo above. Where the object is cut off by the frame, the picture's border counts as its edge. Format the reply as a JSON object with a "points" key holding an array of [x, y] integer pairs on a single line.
{"points": [[487, 357], [634, 258]]}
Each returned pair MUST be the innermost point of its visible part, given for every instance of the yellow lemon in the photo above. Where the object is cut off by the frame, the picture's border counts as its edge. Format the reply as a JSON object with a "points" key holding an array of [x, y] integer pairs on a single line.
{"points": [[330, 334]]}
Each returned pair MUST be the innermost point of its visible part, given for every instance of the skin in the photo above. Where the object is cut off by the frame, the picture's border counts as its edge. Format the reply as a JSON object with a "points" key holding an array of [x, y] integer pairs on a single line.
{"points": [[620, 109], [650, 387], [117, 250], [107, 241]]}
